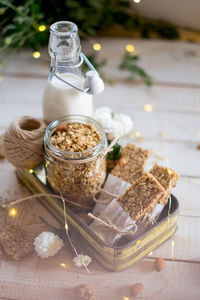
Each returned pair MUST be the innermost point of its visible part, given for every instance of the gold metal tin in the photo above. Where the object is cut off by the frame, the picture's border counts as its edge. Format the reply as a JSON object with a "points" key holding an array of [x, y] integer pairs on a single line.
{"points": [[114, 258]]}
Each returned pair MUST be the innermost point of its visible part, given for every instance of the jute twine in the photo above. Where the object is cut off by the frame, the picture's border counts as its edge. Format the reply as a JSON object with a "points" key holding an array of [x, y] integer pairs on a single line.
{"points": [[23, 142], [107, 224]]}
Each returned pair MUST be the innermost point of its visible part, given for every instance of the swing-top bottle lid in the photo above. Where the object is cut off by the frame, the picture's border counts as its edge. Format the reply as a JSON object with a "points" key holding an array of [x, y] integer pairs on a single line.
{"points": [[64, 42]]}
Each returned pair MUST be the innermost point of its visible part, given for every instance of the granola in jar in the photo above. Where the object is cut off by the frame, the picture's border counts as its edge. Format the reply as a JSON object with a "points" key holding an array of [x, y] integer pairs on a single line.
{"points": [[75, 164]]}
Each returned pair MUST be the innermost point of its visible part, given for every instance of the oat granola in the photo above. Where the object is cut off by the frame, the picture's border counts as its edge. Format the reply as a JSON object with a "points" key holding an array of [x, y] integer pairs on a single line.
{"points": [[77, 179], [15, 242], [141, 196], [166, 177], [75, 137], [131, 164]]}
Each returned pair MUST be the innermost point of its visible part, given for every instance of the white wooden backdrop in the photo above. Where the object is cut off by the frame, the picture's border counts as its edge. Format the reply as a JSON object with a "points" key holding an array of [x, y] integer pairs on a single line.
{"points": [[171, 131]]}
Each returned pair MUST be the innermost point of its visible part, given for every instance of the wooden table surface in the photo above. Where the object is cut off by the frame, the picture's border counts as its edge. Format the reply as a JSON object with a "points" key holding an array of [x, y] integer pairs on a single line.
{"points": [[171, 131]]}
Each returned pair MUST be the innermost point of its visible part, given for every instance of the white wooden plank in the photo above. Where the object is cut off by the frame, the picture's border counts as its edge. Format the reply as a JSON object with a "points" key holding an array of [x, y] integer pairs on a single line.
{"points": [[19, 93], [164, 60], [129, 97], [165, 125], [187, 192], [24, 63], [177, 281], [186, 241]]}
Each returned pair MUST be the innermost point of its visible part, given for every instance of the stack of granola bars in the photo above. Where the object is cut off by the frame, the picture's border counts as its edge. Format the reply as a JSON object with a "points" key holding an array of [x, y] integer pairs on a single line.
{"points": [[146, 194], [147, 189]]}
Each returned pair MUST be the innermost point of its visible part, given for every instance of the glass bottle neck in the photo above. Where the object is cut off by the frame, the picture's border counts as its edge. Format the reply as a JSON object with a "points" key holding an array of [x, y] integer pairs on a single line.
{"points": [[64, 44], [70, 67]]}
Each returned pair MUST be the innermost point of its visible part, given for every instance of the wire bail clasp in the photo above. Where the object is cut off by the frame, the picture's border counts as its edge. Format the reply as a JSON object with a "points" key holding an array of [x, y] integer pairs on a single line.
{"points": [[93, 83]]}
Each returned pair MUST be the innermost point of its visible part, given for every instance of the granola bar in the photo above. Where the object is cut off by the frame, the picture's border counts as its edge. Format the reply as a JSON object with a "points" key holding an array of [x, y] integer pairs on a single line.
{"points": [[131, 164], [141, 196], [166, 177], [15, 242]]}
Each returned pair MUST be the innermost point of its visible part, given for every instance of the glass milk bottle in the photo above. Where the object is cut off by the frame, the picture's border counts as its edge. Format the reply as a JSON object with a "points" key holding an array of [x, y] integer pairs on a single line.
{"points": [[67, 91]]}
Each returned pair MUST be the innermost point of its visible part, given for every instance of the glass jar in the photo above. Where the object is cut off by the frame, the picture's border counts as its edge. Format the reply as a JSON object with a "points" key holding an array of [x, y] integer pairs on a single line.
{"points": [[77, 176]]}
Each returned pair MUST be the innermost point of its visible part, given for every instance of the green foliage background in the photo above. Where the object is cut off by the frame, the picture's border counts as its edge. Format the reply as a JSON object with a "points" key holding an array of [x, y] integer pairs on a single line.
{"points": [[20, 21]]}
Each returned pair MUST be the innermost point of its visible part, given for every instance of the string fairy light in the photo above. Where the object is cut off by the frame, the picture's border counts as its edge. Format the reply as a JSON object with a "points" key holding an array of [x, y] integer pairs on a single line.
{"points": [[148, 107], [30, 171], [12, 212], [137, 133], [36, 54], [97, 46], [137, 1], [130, 48], [170, 172], [42, 28], [63, 265], [47, 163], [67, 232]]}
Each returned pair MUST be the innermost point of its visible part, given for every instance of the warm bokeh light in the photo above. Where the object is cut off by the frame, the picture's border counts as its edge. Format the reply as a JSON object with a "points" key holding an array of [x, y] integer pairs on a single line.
{"points": [[137, 133], [42, 28], [170, 172], [66, 227], [7, 40], [130, 48], [12, 212], [136, 1], [97, 47], [126, 298], [30, 171], [63, 265], [36, 54], [148, 107], [47, 163]]}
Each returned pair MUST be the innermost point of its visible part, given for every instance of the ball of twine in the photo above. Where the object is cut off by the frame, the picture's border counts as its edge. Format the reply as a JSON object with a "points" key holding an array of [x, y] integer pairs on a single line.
{"points": [[23, 142]]}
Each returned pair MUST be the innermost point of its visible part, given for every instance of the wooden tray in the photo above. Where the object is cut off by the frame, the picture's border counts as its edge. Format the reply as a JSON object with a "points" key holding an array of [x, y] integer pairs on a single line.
{"points": [[115, 258]]}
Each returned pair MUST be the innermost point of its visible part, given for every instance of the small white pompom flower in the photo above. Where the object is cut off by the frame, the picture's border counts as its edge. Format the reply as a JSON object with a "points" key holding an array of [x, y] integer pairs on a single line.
{"points": [[47, 244], [115, 125], [103, 111], [113, 130], [82, 260], [103, 115], [125, 121]]}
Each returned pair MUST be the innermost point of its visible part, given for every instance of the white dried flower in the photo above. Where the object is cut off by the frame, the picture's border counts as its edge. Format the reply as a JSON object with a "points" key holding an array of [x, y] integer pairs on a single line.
{"points": [[125, 121], [82, 260], [113, 130], [103, 115], [47, 244], [115, 125]]}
